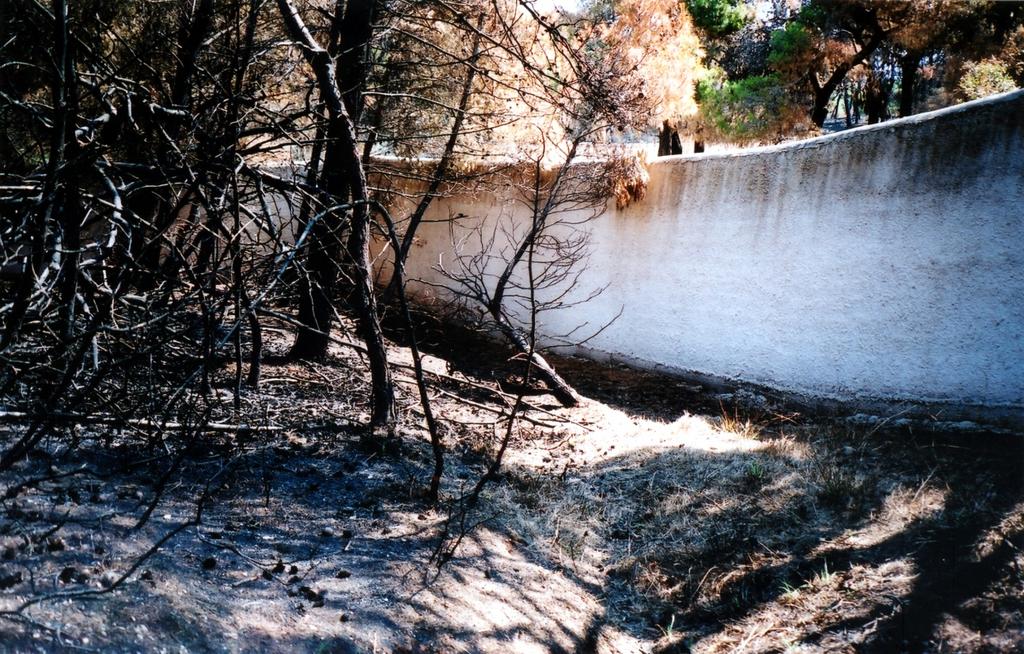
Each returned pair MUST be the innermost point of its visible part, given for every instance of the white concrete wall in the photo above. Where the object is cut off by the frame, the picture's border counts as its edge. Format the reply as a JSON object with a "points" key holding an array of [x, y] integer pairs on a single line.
{"points": [[882, 263]]}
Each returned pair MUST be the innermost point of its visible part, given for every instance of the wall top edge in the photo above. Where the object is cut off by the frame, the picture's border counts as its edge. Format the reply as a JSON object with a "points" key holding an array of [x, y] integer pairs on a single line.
{"points": [[999, 99]]}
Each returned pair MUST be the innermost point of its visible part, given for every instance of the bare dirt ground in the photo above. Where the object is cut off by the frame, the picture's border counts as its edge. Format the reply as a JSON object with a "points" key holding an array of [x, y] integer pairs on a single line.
{"points": [[656, 517]]}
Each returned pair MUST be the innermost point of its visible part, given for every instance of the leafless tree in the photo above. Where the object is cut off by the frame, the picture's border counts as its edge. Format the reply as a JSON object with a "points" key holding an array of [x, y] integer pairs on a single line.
{"points": [[153, 217]]}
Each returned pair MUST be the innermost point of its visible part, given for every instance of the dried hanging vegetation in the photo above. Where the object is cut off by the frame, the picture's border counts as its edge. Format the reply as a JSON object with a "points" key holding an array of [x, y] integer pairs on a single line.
{"points": [[629, 179]]}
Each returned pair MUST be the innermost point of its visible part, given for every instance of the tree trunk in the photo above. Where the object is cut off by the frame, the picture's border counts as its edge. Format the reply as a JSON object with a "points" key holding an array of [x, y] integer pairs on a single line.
{"points": [[875, 101], [324, 253], [823, 92], [668, 140], [307, 342], [65, 149], [847, 109], [820, 110], [383, 412], [908, 82], [561, 389], [352, 30], [344, 174]]}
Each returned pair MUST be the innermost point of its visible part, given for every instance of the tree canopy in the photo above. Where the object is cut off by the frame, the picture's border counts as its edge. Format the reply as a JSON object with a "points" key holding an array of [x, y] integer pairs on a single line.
{"points": [[797, 65]]}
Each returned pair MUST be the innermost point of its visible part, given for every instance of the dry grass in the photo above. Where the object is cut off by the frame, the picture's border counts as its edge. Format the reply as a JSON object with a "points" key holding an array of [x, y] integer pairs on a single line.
{"points": [[727, 533]]}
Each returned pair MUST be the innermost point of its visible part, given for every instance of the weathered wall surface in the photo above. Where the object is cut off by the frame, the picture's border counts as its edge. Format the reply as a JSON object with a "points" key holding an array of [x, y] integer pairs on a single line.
{"points": [[883, 263]]}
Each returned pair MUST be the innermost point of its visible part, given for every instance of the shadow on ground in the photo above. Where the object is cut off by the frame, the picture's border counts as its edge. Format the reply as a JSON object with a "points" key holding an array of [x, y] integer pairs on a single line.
{"points": [[651, 530]]}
